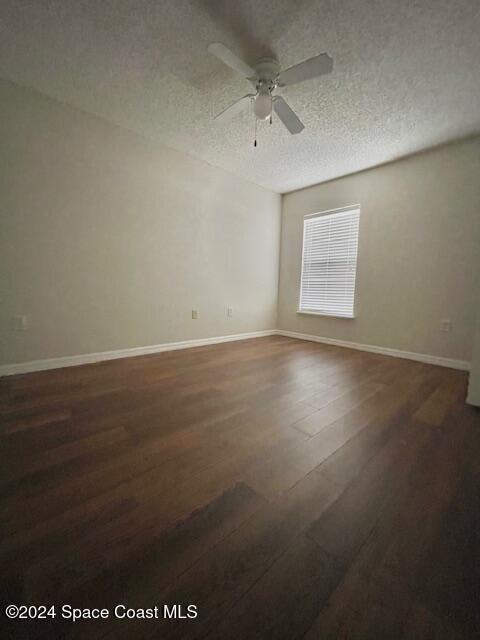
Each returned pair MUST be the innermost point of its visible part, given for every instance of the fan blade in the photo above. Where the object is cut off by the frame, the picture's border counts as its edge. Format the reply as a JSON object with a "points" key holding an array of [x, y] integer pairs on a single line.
{"points": [[289, 118], [312, 68], [234, 109], [231, 60]]}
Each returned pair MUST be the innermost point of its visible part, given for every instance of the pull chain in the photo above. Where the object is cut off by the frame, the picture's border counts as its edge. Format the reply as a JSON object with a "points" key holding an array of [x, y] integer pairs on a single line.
{"points": [[255, 141]]}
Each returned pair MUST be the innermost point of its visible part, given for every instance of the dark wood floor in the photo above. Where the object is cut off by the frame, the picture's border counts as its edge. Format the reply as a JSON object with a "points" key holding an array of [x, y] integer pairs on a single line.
{"points": [[287, 489]]}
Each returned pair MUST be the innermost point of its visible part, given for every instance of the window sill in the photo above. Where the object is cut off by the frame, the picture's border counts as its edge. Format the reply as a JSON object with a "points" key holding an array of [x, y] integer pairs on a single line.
{"points": [[322, 313]]}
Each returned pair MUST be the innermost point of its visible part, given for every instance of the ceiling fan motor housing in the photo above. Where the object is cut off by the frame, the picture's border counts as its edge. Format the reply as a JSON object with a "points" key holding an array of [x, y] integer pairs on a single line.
{"points": [[267, 70]]}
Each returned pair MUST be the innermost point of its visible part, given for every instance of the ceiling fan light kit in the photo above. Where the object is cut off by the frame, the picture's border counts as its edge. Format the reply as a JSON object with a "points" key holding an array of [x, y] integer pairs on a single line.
{"points": [[266, 76], [262, 106]]}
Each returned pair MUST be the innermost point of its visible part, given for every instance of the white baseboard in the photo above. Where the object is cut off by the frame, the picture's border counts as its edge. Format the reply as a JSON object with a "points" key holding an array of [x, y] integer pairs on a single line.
{"points": [[88, 358], [463, 365]]}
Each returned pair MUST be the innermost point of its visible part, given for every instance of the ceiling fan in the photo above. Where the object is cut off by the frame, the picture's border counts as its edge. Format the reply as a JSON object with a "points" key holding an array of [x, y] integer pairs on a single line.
{"points": [[265, 75]]}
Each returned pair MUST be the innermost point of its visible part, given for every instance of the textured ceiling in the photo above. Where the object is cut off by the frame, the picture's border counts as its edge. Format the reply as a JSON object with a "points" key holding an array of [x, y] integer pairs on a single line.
{"points": [[406, 76]]}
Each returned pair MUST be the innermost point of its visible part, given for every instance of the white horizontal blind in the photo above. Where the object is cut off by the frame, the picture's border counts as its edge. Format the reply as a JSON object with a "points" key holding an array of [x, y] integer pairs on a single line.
{"points": [[329, 263]]}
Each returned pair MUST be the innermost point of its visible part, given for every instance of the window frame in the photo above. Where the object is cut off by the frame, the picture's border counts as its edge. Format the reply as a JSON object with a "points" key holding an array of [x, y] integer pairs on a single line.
{"points": [[352, 207]]}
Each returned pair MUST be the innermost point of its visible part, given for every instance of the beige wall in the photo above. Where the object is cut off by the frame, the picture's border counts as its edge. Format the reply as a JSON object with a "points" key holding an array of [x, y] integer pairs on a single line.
{"points": [[108, 241], [418, 251]]}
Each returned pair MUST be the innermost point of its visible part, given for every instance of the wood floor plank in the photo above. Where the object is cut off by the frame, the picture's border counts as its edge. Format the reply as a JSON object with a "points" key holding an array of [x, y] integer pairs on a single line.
{"points": [[440, 401], [422, 624], [284, 602], [288, 488], [169, 484], [226, 573], [148, 571], [343, 466], [337, 408], [286, 466], [450, 576], [345, 526], [378, 590]]}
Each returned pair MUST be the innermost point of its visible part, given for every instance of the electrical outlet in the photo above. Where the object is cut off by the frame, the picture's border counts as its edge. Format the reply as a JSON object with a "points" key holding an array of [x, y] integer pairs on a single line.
{"points": [[229, 312], [19, 323], [445, 325], [194, 314]]}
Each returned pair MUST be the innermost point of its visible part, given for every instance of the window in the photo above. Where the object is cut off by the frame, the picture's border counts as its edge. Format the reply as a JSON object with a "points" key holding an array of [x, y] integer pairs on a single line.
{"points": [[329, 262]]}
